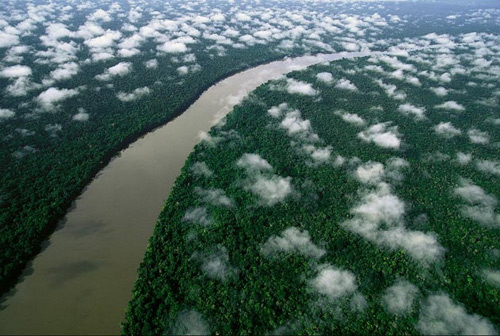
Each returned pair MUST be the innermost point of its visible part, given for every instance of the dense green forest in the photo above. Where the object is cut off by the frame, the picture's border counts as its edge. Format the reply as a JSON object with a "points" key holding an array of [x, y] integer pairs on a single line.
{"points": [[355, 197]]}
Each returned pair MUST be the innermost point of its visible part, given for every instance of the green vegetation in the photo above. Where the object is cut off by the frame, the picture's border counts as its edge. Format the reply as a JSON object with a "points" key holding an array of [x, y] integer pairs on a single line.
{"points": [[220, 260]]}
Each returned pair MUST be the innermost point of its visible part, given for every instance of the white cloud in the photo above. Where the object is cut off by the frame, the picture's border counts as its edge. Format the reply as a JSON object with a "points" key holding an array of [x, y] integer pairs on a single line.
{"points": [[190, 322], [406, 109], [298, 87], [214, 196], [480, 205], [352, 118], [82, 115], [345, 84], [447, 130], [441, 316], [391, 90], [201, 169], [277, 111], [487, 166], [492, 277], [333, 282], [294, 123], [50, 97], [378, 217], [6, 113], [319, 155], [440, 91], [172, 47], [253, 163], [216, 264], [463, 158], [134, 95], [242, 17], [121, 69], [8, 39], [100, 15], [271, 190], [16, 71], [451, 105], [104, 41], [370, 173], [182, 70], [292, 240], [325, 77], [350, 46], [151, 64], [65, 71], [399, 298], [478, 137], [381, 136], [197, 215]]}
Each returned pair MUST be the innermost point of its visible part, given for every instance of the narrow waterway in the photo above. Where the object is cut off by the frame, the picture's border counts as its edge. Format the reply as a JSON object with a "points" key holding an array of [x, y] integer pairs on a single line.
{"points": [[82, 280]]}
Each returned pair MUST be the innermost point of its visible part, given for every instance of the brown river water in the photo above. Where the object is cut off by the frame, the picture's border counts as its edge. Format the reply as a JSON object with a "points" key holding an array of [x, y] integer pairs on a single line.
{"points": [[82, 280]]}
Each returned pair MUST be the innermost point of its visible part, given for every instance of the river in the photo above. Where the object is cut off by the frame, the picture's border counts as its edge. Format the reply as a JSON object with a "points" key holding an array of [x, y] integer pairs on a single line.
{"points": [[82, 280]]}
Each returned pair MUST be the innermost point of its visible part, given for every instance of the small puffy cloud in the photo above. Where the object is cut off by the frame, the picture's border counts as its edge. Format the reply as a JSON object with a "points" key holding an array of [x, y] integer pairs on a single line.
{"points": [[65, 71], [487, 166], [216, 264], [253, 163], [190, 322], [350, 46], [198, 216], [52, 96], [242, 17], [345, 84], [100, 15], [201, 169], [440, 91], [82, 115], [463, 158], [352, 118], [151, 64], [381, 135], [292, 240], [479, 206], [214, 196], [8, 40], [400, 297], [378, 217], [121, 69], [417, 112], [333, 282], [478, 137], [370, 173], [218, 17], [447, 130], [134, 95], [391, 90], [441, 316], [104, 41], [182, 70], [277, 111], [294, 124], [16, 71], [493, 277], [271, 190], [451, 105], [297, 87], [6, 113], [325, 77], [319, 155], [172, 47]]}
